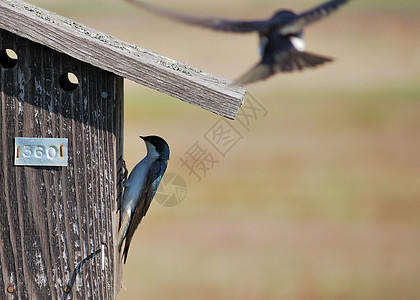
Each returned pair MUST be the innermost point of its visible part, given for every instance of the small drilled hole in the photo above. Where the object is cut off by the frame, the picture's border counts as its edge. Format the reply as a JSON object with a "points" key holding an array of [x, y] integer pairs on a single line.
{"points": [[8, 58], [67, 289], [69, 81], [10, 289]]}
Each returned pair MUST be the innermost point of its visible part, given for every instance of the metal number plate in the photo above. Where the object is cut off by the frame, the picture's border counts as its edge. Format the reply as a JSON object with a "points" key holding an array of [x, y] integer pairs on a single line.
{"points": [[41, 152]]}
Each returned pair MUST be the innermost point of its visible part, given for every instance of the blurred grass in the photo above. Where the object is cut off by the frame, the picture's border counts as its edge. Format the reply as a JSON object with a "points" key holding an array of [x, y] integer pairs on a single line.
{"points": [[321, 199]]}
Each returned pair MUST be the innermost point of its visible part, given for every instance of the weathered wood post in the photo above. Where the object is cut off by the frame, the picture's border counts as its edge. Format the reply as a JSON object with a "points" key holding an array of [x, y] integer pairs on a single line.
{"points": [[58, 198], [53, 217]]}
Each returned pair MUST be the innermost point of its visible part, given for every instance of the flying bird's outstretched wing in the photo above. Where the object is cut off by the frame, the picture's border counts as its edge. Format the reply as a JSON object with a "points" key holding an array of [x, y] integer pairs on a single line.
{"points": [[204, 21], [260, 71], [311, 16]]}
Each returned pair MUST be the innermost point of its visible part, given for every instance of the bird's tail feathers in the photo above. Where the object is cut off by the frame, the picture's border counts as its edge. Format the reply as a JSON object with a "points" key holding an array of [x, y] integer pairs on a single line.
{"points": [[122, 233], [299, 60], [127, 239], [288, 62], [126, 247]]}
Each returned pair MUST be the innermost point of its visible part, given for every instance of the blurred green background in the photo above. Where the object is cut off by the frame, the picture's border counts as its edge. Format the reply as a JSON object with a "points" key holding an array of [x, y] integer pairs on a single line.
{"points": [[321, 198]]}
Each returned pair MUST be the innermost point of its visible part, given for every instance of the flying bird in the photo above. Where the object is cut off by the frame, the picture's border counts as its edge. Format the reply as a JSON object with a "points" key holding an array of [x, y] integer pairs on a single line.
{"points": [[281, 37], [140, 188]]}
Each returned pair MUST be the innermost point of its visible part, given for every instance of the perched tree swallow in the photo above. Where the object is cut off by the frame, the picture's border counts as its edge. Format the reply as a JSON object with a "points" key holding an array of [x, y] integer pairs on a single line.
{"points": [[281, 37], [140, 188]]}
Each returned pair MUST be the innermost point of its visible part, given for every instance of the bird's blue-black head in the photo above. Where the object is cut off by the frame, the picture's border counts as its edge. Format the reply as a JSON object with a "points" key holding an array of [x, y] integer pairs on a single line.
{"points": [[282, 17], [158, 144]]}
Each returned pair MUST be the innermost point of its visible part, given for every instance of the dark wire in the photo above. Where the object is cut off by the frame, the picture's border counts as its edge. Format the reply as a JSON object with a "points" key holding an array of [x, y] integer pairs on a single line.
{"points": [[69, 286]]}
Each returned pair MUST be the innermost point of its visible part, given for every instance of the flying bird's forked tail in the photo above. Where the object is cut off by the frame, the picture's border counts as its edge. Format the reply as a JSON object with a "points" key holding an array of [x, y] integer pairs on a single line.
{"points": [[299, 60], [288, 62]]}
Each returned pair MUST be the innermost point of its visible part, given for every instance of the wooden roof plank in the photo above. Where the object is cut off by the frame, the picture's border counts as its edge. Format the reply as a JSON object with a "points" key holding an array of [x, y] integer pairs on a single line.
{"points": [[158, 72]]}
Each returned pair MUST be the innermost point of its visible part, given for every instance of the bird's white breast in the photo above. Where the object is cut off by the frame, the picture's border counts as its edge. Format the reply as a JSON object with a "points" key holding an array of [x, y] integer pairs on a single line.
{"points": [[135, 182], [298, 43]]}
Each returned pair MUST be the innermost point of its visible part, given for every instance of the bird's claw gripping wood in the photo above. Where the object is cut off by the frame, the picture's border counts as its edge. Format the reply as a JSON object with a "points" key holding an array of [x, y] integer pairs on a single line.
{"points": [[123, 179], [125, 170]]}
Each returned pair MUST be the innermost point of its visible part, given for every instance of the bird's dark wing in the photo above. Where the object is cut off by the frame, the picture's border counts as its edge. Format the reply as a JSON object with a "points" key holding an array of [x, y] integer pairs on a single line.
{"points": [[154, 177], [311, 16], [139, 213], [204, 21], [259, 72], [156, 173]]}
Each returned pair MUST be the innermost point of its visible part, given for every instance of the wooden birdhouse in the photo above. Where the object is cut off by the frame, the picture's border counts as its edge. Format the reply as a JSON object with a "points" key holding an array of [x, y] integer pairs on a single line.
{"points": [[61, 140]]}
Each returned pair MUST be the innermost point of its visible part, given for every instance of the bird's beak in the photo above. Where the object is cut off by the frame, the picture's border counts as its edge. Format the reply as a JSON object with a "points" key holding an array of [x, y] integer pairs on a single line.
{"points": [[142, 137]]}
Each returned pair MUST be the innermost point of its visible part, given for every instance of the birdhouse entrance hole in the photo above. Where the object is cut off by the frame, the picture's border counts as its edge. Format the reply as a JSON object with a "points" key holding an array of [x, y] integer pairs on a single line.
{"points": [[69, 81], [8, 58]]}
